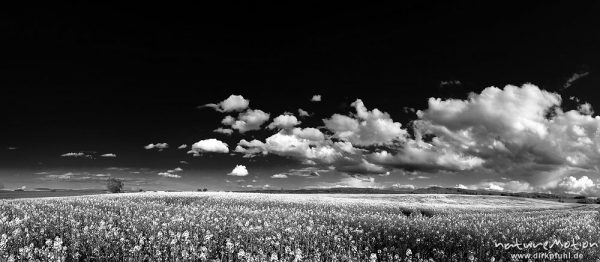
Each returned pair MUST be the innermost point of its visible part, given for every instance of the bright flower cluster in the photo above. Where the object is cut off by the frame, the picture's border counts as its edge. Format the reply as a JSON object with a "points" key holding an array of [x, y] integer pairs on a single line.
{"points": [[261, 227]]}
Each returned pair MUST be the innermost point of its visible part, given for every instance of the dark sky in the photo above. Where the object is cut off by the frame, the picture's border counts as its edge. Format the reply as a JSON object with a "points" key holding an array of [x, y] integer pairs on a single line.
{"points": [[112, 79]]}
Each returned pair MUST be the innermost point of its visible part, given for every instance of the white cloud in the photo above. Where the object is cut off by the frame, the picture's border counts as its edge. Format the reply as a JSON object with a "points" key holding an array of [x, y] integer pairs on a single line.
{"points": [[73, 154], [228, 120], [159, 146], [418, 177], [350, 182], [309, 162], [247, 121], [302, 113], [360, 166], [316, 98], [586, 109], [76, 177], [239, 170], [302, 172], [418, 155], [175, 170], [309, 133], [226, 131], [284, 122], [367, 128], [494, 187], [209, 145], [522, 131], [404, 186], [450, 83], [584, 185], [183, 146], [108, 155], [461, 186], [250, 148], [510, 186], [284, 144], [231, 104], [519, 133], [573, 78], [169, 175]]}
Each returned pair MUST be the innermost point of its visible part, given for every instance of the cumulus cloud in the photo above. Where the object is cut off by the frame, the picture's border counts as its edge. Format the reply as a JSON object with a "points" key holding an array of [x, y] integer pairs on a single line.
{"points": [[302, 113], [248, 120], [366, 127], [309, 133], [159, 146], [284, 122], [209, 145], [226, 131], [316, 98], [290, 145], [494, 187], [183, 146], [521, 133], [279, 176], [311, 146], [586, 109], [523, 129], [250, 148], [231, 104], [584, 186], [421, 156], [239, 170], [228, 120], [510, 186], [108, 155]]}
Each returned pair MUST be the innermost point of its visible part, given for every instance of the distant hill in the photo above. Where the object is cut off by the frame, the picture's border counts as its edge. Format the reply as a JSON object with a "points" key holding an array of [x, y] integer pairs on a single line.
{"points": [[429, 190]]}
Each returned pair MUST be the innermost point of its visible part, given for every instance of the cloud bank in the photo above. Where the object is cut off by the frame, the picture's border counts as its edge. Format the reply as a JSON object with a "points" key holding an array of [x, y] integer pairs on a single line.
{"points": [[521, 133]]}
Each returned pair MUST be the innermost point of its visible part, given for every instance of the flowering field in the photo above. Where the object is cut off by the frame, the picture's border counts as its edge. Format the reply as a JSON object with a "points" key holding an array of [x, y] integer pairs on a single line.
{"points": [[260, 227]]}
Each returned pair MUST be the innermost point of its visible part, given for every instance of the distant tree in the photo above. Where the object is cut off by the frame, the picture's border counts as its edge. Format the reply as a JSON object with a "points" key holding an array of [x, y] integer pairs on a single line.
{"points": [[205, 189], [199, 190], [114, 185]]}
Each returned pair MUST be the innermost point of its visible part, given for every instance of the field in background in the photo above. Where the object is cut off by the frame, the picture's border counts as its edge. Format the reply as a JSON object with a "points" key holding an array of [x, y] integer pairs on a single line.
{"points": [[286, 227], [4, 194]]}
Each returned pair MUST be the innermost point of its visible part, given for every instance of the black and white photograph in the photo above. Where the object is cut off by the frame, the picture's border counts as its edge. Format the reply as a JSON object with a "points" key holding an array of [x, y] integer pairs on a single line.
{"points": [[296, 131]]}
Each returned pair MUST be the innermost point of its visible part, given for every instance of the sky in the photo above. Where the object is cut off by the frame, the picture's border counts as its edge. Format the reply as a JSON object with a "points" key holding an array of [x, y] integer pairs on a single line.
{"points": [[252, 96]]}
